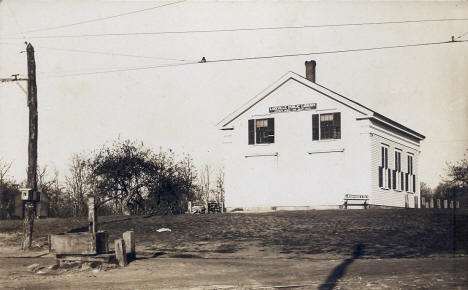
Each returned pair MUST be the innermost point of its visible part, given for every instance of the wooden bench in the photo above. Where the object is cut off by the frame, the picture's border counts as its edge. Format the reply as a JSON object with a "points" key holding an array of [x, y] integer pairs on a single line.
{"points": [[356, 200]]}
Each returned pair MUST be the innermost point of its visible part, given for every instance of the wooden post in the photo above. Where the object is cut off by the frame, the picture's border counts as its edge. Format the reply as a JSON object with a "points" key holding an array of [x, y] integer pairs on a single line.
{"points": [[28, 225], [431, 203], [92, 216], [29, 207], [451, 204], [129, 238], [423, 202], [120, 253], [438, 203], [445, 203], [189, 207], [457, 204]]}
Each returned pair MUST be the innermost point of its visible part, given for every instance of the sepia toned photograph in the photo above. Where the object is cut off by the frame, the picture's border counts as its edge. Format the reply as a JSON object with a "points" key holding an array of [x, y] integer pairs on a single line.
{"points": [[233, 144]]}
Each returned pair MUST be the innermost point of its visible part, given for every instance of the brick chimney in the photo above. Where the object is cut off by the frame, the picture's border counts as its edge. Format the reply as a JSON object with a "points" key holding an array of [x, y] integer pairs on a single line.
{"points": [[310, 70]]}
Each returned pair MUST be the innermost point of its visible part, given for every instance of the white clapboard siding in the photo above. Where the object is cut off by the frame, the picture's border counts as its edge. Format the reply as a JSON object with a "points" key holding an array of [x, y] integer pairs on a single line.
{"points": [[299, 170], [382, 195]]}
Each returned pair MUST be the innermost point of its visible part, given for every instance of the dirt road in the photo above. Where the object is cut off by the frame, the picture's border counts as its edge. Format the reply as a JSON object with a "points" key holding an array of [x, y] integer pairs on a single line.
{"points": [[372, 249], [151, 271]]}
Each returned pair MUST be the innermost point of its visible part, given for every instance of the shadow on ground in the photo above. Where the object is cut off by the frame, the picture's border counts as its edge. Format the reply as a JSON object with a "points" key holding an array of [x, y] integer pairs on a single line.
{"points": [[340, 270]]}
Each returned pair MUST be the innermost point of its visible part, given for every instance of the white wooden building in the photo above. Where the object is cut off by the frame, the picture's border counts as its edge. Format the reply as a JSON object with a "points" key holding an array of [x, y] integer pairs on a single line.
{"points": [[299, 145]]}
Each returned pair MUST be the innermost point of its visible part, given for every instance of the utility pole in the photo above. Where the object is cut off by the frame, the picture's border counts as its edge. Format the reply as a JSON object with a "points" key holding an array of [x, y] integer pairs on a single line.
{"points": [[29, 206], [29, 195]]}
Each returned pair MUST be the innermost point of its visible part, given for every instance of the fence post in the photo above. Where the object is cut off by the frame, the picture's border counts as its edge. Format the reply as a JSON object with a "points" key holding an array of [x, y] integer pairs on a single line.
{"points": [[120, 253], [438, 203], [451, 204], [92, 215], [129, 238], [431, 203], [445, 203]]}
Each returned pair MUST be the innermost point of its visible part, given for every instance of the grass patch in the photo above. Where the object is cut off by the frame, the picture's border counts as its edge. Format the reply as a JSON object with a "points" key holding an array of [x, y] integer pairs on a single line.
{"points": [[383, 233]]}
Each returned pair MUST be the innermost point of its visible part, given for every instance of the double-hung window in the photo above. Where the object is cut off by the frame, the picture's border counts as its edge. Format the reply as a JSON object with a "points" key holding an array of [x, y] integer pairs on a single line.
{"points": [[326, 126], [410, 164], [397, 174], [262, 131], [410, 177], [384, 171]]}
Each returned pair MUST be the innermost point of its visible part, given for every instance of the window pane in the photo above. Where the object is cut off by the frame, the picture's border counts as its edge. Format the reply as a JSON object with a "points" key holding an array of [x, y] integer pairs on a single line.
{"points": [[330, 126], [265, 131]]}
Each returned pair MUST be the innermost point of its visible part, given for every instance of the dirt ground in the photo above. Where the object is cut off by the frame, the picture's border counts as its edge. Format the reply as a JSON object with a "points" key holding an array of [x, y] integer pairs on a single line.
{"points": [[153, 270], [379, 249]]}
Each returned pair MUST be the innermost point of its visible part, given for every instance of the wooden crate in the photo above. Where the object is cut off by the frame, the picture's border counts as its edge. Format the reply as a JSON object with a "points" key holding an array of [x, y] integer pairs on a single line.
{"points": [[72, 243]]}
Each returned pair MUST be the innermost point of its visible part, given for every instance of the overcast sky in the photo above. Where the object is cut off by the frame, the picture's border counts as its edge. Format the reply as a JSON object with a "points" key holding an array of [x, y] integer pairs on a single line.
{"points": [[178, 107]]}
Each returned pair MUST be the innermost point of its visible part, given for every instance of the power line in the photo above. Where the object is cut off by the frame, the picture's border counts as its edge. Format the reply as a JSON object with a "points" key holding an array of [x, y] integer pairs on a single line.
{"points": [[110, 53], [16, 21], [122, 70], [248, 29], [338, 51], [461, 35], [103, 18], [269, 57]]}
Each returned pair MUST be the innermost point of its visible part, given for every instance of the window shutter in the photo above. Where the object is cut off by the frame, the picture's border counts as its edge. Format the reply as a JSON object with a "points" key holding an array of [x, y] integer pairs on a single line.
{"points": [[414, 183], [406, 182], [394, 178], [271, 130], [337, 125], [380, 176], [402, 185], [315, 126], [251, 131], [389, 172]]}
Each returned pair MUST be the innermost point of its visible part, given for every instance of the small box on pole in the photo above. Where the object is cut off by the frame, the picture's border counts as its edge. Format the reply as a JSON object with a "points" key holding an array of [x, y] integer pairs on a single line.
{"points": [[28, 194]]}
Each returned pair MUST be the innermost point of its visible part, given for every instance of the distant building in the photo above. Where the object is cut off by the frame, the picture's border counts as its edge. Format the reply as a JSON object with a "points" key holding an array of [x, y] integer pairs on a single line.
{"points": [[42, 207], [299, 145]]}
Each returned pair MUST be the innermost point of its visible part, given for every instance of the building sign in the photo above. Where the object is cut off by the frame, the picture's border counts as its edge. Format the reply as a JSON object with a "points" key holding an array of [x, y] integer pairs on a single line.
{"points": [[356, 196], [293, 108]]}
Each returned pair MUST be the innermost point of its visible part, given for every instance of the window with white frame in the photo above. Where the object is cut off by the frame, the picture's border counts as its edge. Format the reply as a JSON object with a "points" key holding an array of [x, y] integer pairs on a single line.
{"points": [[262, 131], [384, 171], [398, 176], [410, 177]]}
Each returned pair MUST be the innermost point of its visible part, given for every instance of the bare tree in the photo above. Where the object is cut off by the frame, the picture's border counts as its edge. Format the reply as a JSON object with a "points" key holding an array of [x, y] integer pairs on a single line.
{"points": [[78, 184], [205, 185], [121, 173], [6, 197], [4, 168], [220, 187]]}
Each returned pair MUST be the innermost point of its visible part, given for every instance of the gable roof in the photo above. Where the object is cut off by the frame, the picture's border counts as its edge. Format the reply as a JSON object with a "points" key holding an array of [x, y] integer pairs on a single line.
{"points": [[366, 112]]}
